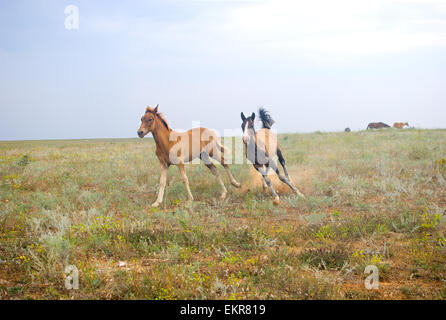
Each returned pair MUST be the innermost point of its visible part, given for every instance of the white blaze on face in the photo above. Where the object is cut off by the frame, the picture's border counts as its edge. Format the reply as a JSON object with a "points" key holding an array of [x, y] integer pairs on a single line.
{"points": [[246, 134]]}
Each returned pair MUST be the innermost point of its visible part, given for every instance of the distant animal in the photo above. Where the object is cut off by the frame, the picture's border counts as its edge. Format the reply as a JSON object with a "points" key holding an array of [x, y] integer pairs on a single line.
{"points": [[261, 147], [400, 125], [178, 148], [347, 130], [377, 125]]}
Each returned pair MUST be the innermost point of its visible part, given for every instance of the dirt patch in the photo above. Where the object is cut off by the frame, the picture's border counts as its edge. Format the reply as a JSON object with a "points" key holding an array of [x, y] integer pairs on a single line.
{"points": [[301, 177]]}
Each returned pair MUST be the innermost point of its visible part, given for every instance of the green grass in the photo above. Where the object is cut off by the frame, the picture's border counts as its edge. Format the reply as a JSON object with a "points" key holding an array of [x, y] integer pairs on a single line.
{"points": [[373, 197]]}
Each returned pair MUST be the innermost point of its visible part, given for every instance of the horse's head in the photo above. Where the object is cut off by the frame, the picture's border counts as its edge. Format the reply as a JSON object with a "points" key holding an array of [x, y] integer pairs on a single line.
{"points": [[148, 123], [248, 127]]}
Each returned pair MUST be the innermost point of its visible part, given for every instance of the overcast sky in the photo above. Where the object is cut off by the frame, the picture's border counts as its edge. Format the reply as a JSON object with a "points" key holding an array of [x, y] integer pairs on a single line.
{"points": [[316, 65]]}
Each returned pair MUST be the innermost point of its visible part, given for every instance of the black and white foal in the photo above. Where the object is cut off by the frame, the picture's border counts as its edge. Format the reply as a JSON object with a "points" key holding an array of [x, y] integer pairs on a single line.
{"points": [[260, 147]]}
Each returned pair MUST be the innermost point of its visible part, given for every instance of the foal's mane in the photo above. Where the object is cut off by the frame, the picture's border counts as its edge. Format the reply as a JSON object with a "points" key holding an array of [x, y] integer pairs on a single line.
{"points": [[265, 118], [160, 116]]}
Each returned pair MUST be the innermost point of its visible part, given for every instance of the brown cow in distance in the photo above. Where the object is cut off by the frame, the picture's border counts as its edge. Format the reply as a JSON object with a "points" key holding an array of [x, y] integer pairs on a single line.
{"points": [[400, 125], [377, 125]]}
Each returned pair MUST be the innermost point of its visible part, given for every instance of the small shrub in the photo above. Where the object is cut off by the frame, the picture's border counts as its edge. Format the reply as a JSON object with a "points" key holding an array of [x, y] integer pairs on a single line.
{"points": [[24, 160], [419, 152], [325, 258], [325, 232]]}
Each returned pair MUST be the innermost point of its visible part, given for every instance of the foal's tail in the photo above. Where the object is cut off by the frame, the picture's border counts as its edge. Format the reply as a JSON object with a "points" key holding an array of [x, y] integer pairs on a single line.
{"points": [[267, 121]]}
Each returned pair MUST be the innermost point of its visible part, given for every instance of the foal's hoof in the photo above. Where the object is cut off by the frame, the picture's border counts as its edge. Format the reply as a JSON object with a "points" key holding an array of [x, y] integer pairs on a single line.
{"points": [[236, 184], [155, 204], [276, 201], [299, 193], [223, 196]]}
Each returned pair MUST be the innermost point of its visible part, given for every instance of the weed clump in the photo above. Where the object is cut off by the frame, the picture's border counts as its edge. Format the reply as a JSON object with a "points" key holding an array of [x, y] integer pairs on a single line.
{"points": [[24, 160], [325, 258], [419, 152]]}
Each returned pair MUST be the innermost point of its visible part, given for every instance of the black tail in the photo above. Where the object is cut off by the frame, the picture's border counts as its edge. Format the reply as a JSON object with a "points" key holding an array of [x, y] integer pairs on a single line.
{"points": [[267, 121]]}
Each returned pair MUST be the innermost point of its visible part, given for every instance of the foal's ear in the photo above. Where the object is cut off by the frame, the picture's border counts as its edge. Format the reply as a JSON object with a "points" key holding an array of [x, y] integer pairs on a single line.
{"points": [[156, 109], [243, 116], [253, 116]]}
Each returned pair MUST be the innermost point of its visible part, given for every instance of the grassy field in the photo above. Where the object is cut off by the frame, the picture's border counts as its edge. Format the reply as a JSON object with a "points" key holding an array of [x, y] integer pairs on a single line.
{"points": [[373, 198]]}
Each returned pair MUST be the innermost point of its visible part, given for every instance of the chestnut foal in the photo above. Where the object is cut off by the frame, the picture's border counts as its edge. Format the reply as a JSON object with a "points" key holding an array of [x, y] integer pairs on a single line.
{"points": [[260, 148], [180, 147], [400, 125]]}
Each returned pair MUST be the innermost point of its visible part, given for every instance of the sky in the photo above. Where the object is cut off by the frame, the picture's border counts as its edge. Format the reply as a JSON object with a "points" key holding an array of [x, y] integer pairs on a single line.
{"points": [[317, 65]]}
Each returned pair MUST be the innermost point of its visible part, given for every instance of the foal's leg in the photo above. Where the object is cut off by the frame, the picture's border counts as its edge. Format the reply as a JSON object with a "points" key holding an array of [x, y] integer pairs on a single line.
{"points": [[282, 163], [264, 186], [263, 183], [273, 165], [264, 174], [207, 161], [221, 158], [185, 181], [163, 179]]}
